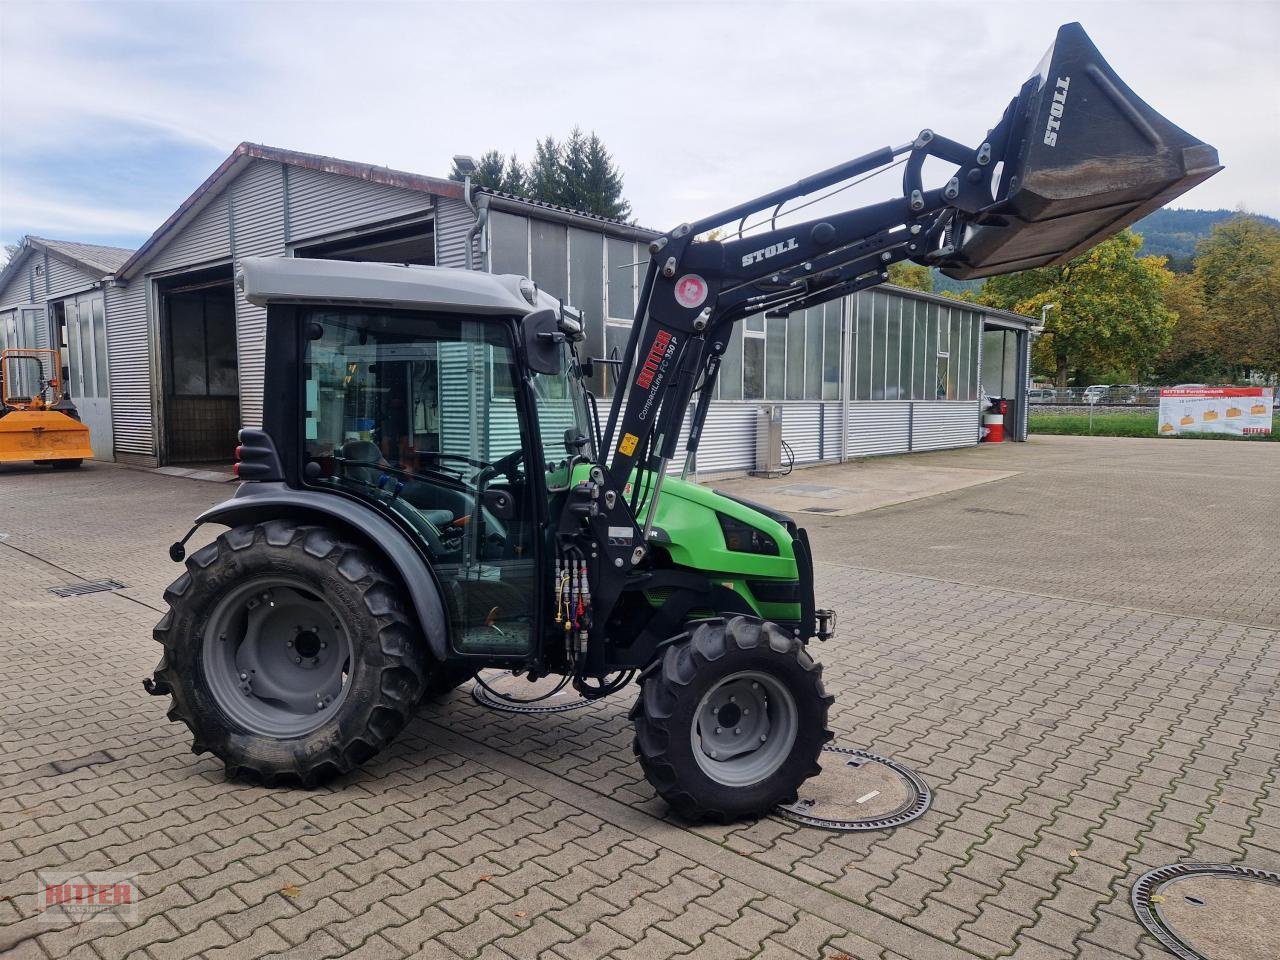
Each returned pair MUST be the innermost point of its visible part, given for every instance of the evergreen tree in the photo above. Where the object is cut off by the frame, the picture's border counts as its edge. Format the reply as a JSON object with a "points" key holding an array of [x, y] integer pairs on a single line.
{"points": [[514, 179], [545, 177], [602, 183], [578, 173]]}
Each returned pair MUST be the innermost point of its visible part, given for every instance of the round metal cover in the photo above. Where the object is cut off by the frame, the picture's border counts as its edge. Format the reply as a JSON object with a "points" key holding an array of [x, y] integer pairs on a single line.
{"points": [[525, 697], [858, 790], [1211, 911]]}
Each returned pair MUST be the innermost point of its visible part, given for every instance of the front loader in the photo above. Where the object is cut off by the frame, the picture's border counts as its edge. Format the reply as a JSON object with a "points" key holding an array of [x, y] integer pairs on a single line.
{"points": [[432, 492]]}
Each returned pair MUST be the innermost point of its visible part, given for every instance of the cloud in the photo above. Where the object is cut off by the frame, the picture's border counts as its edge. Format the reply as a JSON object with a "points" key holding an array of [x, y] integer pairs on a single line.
{"points": [[702, 104]]}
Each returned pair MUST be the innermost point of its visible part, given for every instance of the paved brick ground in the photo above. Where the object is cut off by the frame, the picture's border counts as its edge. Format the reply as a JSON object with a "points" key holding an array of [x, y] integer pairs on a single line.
{"points": [[1070, 743]]}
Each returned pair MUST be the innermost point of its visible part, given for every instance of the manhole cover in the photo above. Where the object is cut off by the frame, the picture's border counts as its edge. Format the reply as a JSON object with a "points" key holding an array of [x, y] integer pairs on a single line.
{"points": [[1211, 911], [858, 790], [540, 696]]}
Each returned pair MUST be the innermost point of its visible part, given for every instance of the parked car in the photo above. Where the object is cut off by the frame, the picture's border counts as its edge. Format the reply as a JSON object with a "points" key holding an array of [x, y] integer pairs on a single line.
{"points": [[1122, 393], [1096, 393], [1041, 395]]}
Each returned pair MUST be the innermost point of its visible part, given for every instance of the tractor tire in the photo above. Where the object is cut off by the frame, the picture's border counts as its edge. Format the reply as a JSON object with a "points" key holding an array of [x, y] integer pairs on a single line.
{"points": [[731, 719], [289, 654], [66, 464]]}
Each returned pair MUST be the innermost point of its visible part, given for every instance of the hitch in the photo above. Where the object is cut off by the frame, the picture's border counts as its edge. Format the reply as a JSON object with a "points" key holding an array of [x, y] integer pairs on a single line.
{"points": [[825, 623]]}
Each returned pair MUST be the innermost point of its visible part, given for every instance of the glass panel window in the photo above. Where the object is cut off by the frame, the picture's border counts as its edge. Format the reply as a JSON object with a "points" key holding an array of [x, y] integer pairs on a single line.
{"points": [[862, 360], [921, 355], [832, 349], [622, 272], [550, 257], [893, 350], [731, 367], [753, 367], [813, 353], [586, 292], [508, 243], [100, 346], [775, 371], [75, 374], [795, 355], [615, 342], [879, 344], [85, 313], [421, 414]]}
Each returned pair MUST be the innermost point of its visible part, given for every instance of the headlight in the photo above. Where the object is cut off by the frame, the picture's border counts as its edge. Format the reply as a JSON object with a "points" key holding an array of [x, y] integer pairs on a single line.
{"points": [[744, 538]]}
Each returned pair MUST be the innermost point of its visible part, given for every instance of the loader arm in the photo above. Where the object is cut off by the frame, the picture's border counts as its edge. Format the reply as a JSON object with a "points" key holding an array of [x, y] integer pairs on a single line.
{"points": [[1075, 157]]}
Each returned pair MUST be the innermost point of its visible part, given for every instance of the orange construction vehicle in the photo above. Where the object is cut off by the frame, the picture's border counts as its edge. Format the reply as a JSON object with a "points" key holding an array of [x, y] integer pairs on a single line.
{"points": [[38, 421]]}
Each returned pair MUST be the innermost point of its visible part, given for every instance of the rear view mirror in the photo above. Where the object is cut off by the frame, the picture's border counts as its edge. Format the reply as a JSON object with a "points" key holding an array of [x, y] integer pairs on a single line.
{"points": [[543, 338], [1085, 157]]}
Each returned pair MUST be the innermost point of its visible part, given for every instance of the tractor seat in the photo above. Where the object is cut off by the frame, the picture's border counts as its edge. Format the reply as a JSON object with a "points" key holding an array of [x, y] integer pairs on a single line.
{"points": [[370, 462]]}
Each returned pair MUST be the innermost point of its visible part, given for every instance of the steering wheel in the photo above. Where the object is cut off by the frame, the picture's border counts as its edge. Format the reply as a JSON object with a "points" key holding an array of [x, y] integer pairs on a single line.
{"points": [[503, 465]]}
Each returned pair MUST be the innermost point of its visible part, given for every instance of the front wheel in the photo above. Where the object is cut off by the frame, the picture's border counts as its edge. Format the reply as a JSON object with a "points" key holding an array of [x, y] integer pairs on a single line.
{"points": [[731, 720], [289, 654]]}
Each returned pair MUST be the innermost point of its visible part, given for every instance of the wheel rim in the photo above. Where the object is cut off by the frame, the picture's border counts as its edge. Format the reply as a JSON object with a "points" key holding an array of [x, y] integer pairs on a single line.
{"points": [[744, 728], [276, 657]]}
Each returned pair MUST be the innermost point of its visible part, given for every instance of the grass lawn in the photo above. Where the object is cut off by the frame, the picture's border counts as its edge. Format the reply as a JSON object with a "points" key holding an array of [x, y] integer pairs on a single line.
{"points": [[1138, 423]]}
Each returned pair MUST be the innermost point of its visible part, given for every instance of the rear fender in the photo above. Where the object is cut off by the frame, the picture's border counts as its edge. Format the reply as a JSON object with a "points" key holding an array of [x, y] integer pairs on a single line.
{"points": [[259, 502]]}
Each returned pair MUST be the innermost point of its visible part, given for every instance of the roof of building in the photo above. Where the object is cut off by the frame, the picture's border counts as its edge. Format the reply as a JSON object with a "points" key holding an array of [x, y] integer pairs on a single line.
{"points": [[1008, 317], [246, 153], [639, 231], [91, 258]]}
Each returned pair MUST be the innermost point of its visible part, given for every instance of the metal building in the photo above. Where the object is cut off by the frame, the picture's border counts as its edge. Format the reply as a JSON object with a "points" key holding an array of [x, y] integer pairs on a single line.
{"points": [[885, 371], [51, 294]]}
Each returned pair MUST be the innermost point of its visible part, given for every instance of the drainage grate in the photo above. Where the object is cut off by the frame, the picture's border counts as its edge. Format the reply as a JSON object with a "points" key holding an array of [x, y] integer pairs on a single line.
{"points": [[1200, 911], [820, 509], [858, 791], [87, 586], [519, 689]]}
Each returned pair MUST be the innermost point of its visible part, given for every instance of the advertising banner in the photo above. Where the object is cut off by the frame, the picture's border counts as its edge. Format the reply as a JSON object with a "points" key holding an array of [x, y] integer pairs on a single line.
{"points": [[1242, 411]]}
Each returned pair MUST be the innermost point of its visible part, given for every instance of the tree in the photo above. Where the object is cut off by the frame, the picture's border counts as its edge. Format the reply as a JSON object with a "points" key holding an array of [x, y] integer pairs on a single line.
{"points": [[1237, 272], [494, 172], [1109, 312], [9, 250], [545, 179], [601, 185], [911, 275], [578, 172]]}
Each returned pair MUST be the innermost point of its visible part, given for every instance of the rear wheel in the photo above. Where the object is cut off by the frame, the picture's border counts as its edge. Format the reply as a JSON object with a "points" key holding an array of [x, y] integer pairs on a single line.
{"points": [[731, 720], [288, 653]]}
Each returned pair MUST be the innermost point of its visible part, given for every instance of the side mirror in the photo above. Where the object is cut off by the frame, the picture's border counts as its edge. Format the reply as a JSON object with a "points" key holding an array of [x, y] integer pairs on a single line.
{"points": [[542, 337]]}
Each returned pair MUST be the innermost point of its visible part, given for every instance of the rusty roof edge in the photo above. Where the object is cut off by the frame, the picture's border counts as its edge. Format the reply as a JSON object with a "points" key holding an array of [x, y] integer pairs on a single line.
{"points": [[246, 151]]}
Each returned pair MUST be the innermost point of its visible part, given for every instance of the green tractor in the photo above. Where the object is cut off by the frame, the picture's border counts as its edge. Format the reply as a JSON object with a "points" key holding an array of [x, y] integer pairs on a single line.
{"points": [[432, 492]]}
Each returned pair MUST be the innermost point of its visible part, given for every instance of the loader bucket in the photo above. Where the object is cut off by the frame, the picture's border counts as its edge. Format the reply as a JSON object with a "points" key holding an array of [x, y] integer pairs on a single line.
{"points": [[1085, 158]]}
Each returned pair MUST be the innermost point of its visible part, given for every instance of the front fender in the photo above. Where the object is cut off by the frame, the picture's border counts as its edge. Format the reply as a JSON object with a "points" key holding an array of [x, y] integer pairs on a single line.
{"points": [[258, 502]]}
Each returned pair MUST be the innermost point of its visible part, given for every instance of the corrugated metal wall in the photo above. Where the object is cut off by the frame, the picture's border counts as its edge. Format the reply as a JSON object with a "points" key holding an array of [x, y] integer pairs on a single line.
{"points": [[877, 427], [453, 220], [24, 286], [129, 350], [64, 278], [938, 425], [204, 240], [257, 205], [323, 203]]}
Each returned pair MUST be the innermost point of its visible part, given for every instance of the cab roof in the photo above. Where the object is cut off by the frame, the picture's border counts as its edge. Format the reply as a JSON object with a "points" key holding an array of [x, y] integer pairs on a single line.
{"points": [[265, 280]]}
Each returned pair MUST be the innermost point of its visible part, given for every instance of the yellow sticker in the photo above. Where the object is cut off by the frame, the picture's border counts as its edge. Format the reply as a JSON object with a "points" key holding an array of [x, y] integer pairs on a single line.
{"points": [[628, 445]]}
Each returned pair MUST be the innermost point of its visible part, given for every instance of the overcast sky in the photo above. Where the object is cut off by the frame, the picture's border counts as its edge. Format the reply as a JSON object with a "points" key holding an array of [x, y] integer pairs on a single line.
{"points": [[111, 113]]}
